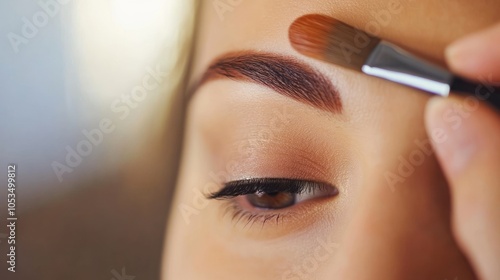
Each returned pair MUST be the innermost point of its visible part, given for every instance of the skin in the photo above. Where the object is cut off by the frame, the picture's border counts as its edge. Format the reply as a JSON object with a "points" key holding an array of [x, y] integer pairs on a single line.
{"points": [[375, 228], [476, 210]]}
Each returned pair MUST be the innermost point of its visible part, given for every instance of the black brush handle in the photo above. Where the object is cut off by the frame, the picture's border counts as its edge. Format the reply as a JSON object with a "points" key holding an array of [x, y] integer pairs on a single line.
{"points": [[488, 93]]}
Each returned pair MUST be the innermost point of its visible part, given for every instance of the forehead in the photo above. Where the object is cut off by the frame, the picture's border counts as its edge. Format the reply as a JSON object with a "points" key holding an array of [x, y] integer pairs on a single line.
{"points": [[423, 26]]}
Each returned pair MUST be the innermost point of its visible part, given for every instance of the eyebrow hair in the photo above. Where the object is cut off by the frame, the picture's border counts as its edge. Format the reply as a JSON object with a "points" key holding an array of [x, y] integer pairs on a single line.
{"points": [[283, 74]]}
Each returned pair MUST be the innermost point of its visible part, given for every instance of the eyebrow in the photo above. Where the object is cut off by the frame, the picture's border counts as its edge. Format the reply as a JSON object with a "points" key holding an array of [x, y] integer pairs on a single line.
{"points": [[283, 74]]}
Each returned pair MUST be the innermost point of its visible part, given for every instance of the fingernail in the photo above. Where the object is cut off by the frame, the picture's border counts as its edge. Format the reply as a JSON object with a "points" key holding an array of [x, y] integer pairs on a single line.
{"points": [[469, 53], [449, 126]]}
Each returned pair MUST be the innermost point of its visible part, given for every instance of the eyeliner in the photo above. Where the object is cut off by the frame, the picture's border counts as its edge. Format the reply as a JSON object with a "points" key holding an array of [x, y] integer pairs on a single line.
{"points": [[269, 185]]}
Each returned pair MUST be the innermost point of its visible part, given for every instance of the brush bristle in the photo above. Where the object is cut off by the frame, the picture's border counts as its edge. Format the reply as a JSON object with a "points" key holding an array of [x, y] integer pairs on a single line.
{"points": [[330, 40]]}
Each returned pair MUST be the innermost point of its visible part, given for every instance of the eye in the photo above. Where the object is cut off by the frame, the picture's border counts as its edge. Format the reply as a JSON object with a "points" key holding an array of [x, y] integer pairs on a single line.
{"points": [[268, 199], [274, 200], [274, 193]]}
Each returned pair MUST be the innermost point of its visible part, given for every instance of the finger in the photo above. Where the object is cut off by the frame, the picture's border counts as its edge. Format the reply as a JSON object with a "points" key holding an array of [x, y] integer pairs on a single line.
{"points": [[466, 137], [477, 55]]}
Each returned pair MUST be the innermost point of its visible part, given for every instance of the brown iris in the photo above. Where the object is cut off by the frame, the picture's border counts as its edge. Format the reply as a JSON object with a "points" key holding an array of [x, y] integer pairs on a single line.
{"points": [[272, 200]]}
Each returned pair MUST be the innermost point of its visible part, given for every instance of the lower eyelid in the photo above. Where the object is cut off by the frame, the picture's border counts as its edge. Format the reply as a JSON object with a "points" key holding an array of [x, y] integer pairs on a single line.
{"points": [[243, 215], [239, 214]]}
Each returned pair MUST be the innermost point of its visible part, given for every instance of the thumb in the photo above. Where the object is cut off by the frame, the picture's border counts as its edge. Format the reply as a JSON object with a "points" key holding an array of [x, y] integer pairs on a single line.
{"points": [[466, 137], [477, 56]]}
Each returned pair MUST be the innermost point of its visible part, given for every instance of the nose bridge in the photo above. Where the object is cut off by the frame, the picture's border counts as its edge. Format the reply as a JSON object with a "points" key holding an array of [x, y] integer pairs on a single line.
{"points": [[372, 248], [370, 244], [398, 235]]}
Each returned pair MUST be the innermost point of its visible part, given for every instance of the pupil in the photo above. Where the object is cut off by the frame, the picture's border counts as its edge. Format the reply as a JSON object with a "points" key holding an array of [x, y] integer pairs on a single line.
{"points": [[274, 200]]}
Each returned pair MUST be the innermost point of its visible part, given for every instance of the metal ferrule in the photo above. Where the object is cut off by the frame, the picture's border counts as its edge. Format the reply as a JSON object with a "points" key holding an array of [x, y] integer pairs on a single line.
{"points": [[392, 63]]}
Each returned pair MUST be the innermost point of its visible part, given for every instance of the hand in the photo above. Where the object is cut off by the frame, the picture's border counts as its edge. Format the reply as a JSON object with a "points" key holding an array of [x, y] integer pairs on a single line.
{"points": [[466, 137]]}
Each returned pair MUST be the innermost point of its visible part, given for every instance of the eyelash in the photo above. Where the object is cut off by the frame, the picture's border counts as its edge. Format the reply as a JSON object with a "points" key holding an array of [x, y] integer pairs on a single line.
{"points": [[238, 214], [234, 189]]}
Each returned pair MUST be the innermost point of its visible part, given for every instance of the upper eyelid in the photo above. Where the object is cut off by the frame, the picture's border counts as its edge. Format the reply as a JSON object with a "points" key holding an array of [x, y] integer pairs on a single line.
{"points": [[249, 186]]}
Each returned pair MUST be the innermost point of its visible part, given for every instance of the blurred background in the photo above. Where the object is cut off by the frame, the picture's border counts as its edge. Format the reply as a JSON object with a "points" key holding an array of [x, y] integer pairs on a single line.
{"points": [[91, 114]]}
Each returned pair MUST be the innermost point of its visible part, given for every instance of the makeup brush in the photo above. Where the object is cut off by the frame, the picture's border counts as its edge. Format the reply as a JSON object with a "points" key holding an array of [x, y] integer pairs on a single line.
{"points": [[333, 41]]}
